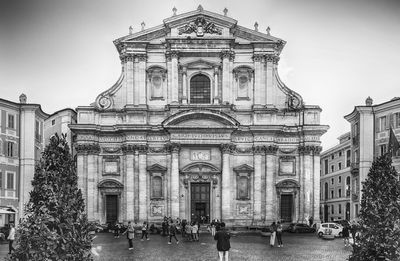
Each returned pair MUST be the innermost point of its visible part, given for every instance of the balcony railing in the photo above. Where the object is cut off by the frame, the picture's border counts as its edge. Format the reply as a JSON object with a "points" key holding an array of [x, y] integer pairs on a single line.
{"points": [[354, 168]]}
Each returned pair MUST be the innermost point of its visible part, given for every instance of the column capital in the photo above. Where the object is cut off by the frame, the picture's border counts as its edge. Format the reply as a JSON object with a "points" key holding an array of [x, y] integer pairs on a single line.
{"points": [[258, 150], [228, 148], [127, 57], [87, 148], [128, 148], [272, 58], [258, 57], [308, 149], [142, 57], [271, 149], [216, 70], [173, 147], [227, 54], [171, 55], [142, 148]]}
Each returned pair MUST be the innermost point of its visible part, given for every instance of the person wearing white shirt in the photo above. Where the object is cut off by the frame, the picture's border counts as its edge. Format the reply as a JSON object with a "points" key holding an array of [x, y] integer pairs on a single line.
{"points": [[11, 238]]}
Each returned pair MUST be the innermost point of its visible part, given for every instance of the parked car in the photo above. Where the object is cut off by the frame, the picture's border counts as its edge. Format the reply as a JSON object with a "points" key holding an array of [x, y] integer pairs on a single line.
{"points": [[300, 228], [331, 229], [343, 223]]}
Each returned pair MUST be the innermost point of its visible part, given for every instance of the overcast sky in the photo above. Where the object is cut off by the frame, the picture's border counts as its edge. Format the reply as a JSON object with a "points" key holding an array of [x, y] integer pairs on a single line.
{"points": [[338, 52]]}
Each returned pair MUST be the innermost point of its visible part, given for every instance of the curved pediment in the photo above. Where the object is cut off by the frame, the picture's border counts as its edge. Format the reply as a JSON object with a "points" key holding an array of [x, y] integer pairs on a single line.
{"points": [[200, 119], [287, 184], [110, 183], [200, 168]]}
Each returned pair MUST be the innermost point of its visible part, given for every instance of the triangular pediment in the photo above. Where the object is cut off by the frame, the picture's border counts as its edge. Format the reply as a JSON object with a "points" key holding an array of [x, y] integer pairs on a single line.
{"points": [[156, 168], [198, 23]]}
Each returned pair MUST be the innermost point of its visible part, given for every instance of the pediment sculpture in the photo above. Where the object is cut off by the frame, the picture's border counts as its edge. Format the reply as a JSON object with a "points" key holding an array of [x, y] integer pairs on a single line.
{"points": [[200, 26]]}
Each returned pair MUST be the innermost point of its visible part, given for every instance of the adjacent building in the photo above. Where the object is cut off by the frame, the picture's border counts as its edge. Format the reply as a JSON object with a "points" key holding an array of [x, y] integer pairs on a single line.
{"points": [[370, 129], [23, 135], [336, 181], [199, 124]]}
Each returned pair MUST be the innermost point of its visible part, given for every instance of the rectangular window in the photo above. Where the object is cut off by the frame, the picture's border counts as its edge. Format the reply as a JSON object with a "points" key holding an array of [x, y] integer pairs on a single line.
{"points": [[333, 209], [397, 120], [382, 123], [10, 180], [340, 193], [382, 149], [331, 193], [340, 209], [53, 122], [10, 149], [333, 156], [326, 166], [340, 154], [332, 180], [11, 121], [339, 165], [340, 179]]}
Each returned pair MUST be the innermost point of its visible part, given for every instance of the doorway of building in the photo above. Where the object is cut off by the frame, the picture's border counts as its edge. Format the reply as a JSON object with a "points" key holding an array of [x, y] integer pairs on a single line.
{"points": [[286, 208], [200, 202], [111, 208]]}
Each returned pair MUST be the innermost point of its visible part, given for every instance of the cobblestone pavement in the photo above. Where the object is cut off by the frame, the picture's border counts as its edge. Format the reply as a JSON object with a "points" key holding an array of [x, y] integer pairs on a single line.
{"points": [[297, 247]]}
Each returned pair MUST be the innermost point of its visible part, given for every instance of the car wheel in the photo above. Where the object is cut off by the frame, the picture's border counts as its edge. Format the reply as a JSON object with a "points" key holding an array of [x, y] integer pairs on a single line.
{"points": [[320, 234], [340, 234]]}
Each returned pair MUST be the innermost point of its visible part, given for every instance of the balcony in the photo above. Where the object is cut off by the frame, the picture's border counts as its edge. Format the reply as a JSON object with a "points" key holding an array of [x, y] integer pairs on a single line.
{"points": [[354, 197], [354, 168]]}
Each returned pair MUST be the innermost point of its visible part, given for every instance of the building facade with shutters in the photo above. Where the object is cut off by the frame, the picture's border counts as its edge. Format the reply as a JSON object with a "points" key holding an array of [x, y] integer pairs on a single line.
{"points": [[370, 131], [336, 181], [199, 124]]}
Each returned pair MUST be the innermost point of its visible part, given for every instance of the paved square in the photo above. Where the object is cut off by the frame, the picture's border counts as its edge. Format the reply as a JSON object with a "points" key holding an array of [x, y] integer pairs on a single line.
{"points": [[297, 247]]}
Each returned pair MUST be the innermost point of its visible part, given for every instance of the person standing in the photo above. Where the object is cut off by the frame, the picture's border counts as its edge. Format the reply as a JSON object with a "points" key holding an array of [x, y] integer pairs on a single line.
{"points": [[145, 227], [273, 234], [195, 230], [172, 232], [223, 242], [346, 235], [117, 228], [279, 230], [11, 238], [212, 227], [130, 234]]}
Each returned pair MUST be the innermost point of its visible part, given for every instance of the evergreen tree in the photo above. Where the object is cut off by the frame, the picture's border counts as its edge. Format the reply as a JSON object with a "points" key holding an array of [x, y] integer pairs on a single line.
{"points": [[55, 226], [379, 237]]}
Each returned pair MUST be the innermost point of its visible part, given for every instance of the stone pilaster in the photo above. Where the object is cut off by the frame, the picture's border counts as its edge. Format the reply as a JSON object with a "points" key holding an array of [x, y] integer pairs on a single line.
{"points": [[226, 73], [142, 78], [143, 204], [82, 170], [270, 201], [216, 97], [259, 91], [172, 64], [136, 80], [127, 65], [92, 172], [184, 85], [306, 188], [270, 88], [136, 185], [258, 153], [175, 148], [316, 183], [129, 151], [226, 199]]}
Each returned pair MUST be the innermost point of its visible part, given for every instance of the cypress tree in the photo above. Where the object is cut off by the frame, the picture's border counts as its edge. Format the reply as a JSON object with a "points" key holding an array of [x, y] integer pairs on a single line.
{"points": [[379, 237], [55, 226]]}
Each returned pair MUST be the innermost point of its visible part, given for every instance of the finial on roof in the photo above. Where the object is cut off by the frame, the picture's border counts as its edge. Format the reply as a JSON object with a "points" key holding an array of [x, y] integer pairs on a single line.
{"points": [[130, 29], [200, 8], [143, 25], [174, 10], [22, 98], [225, 11], [256, 26], [268, 30], [368, 101]]}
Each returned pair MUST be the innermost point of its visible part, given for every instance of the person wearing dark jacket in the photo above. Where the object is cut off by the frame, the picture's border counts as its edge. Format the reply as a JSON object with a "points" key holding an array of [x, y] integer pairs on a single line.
{"points": [[223, 243]]}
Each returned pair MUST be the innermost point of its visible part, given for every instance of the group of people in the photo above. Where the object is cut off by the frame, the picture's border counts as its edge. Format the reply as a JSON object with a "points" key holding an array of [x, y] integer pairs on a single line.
{"points": [[276, 232]]}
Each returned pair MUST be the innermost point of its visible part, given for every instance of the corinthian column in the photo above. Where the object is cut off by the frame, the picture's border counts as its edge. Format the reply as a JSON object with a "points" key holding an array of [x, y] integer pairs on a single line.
{"points": [[226, 181], [129, 151], [175, 148], [142, 182], [270, 202], [306, 183], [258, 152]]}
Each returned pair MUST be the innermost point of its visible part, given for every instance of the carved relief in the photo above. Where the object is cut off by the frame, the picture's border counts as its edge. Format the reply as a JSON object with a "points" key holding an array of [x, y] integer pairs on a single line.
{"points": [[111, 149], [200, 155], [200, 26], [157, 210], [243, 209]]}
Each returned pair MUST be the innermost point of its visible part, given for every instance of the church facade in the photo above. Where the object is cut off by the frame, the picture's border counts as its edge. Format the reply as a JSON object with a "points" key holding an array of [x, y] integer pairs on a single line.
{"points": [[199, 124]]}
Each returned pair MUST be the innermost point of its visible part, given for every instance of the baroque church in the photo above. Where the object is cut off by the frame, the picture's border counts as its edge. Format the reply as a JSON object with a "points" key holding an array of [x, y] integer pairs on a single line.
{"points": [[199, 124]]}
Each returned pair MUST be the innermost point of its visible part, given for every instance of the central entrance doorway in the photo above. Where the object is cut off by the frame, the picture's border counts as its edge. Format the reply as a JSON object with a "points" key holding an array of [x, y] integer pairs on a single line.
{"points": [[200, 202], [111, 208], [286, 208]]}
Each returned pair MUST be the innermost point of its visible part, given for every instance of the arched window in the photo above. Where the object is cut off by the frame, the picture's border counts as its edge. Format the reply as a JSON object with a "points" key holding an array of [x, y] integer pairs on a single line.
{"points": [[200, 89], [326, 191]]}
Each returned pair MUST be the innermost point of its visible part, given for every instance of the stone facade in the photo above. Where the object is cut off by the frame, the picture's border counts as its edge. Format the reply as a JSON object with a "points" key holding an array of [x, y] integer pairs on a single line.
{"points": [[336, 181], [370, 132], [199, 124]]}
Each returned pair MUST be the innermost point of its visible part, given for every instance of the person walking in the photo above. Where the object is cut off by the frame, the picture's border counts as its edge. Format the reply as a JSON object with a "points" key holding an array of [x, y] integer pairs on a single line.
{"points": [[172, 232], [223, 242], [145, 233], [117, 228], [273, 234], [212, 227], [346, 235], [279, 230], [11, 238], [130, 234]]}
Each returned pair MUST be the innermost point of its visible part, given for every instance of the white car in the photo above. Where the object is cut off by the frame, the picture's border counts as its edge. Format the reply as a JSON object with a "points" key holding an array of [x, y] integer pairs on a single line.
{"points": [[330, 229]]}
